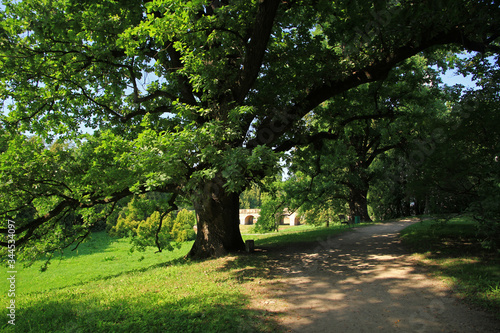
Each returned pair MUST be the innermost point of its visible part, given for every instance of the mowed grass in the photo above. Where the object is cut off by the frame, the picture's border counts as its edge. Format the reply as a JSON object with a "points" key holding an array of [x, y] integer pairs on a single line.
{"points": [[105, 288], [101, 256], [453, 252], [295, 234]]}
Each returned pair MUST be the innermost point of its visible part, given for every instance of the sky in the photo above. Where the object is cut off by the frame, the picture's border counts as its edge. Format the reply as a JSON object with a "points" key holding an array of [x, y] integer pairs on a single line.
{"points": [[450, 78]]}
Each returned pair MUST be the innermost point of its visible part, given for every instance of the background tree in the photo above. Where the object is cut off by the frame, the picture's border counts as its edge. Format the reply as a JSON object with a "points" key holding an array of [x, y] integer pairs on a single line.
{"points": [[451, 167], [321, 213], [165, 231], [145, 233], [274, 200], [387, 114], [461, 172], [192, 98], [251, 198], [182, 230], [137, 209]]}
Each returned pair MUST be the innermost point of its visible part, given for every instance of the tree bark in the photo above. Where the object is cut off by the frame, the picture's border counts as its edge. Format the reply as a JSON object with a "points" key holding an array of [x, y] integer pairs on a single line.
{"points": [[358, 204], [217, 213]]}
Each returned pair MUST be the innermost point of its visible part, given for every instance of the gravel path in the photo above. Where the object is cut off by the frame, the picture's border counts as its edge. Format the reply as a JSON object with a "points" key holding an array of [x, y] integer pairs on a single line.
{"points": [[364, 281]]}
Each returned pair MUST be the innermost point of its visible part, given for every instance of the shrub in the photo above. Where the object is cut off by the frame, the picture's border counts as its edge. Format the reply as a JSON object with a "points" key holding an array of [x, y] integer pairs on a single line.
{"points": [[270, 214], [182, 229], [146, 233], [126, 225]]}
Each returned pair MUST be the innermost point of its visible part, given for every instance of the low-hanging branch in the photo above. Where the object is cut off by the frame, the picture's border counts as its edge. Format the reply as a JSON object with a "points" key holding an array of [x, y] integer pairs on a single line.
{"points": [[72, 204]]}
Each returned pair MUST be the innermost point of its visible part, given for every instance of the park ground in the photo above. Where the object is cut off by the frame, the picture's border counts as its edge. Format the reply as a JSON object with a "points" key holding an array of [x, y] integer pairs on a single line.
{"points": [[340, 279], [365, 281]]}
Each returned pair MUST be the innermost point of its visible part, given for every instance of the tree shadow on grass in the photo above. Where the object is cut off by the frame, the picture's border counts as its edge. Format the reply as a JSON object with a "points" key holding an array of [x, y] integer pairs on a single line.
{"points": [[141, 313], [96, 242], [148, 300], [454, 250]]}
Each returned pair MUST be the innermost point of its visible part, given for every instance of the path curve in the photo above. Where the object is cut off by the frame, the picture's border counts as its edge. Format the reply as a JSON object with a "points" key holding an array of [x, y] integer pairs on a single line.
{"points": [[365, 281]]}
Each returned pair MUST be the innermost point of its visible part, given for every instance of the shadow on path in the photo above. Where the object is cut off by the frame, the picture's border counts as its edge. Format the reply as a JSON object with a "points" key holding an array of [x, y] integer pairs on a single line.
{"points": [[365, 281]]}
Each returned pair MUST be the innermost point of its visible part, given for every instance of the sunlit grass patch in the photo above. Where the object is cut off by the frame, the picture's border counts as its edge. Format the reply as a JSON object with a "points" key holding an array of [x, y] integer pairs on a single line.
{"points": [[100, 257]]}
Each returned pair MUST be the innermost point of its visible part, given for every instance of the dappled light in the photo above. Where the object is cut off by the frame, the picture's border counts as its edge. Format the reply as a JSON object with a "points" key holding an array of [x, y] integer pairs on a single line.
{"points": [[229, 159], [362, 281]]}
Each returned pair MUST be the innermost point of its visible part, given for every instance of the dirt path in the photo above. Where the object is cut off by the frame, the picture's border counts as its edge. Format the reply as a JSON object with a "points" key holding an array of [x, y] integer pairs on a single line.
{"points": [[364, 281]]}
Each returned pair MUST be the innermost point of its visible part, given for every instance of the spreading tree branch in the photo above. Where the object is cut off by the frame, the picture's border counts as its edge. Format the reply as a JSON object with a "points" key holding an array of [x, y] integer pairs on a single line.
{"points": [[256, 47], [377, 70], [70, 203], [171, 207]]}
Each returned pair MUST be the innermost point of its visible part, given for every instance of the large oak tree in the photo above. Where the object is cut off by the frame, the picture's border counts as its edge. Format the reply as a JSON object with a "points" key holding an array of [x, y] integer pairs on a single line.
{"points": [[191, 98]]}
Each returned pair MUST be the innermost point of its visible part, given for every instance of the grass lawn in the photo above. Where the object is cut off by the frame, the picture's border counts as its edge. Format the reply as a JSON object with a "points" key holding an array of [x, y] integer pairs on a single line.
{"points": [[98, 258], [103, 287], [294, 234], [451, 251]]}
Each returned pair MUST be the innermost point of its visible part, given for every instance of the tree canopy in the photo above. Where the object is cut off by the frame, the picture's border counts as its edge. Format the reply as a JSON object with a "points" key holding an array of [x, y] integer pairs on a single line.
{"points": [[366, 121], [195, 99]]}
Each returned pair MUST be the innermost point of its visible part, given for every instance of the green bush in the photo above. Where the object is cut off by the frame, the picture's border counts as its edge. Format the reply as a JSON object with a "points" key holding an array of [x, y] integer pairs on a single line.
{"points": [[174, 229], [133, 211], [270, 214], [320, 216], [182, 229], [125, 226], [130, 217], [146, 232]]}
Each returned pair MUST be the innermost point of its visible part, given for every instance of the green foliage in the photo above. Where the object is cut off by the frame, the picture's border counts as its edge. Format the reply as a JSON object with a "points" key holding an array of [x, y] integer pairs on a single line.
{"points": [[175, 229], [388, 197], [270, 214], [486, 211], [457, 169], [127, 222], [318, 216], [140, 220], [138, 209], [251, 198], [343, 167], [171, 96], [147, 232], [182, 229]]}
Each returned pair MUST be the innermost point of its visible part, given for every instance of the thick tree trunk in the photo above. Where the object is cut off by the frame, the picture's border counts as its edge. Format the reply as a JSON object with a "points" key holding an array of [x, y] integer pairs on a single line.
{"points": [[358, 204], [217, 213]]}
